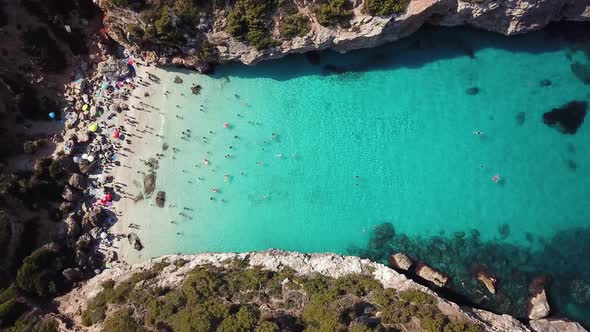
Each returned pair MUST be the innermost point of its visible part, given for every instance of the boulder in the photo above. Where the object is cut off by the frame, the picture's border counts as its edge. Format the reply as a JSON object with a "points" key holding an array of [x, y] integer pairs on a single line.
{"points": [[73, 226], [160, 199], [134, 241], [95, 217], [67, 207], [87, 167], [78, 181], [178, 80], [196, 89], [432, 275], [70, 194], [488, 280], [400, 261], [149, 183], [538, 305], [556, 325], [73, 274]]}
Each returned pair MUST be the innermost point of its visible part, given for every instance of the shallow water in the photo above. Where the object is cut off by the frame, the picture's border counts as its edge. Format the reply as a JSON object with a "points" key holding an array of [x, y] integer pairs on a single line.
{"points": [[374, 136]]}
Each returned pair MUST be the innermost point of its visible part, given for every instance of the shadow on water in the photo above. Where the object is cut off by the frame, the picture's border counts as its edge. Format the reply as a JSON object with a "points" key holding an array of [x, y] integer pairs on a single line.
{"points": [[427, 45], [562, 258]]}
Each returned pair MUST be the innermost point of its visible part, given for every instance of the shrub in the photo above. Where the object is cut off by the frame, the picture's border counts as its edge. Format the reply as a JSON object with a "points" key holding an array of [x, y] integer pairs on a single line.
{"points": [[122, 321], [247, 21], [244, 320], [267, 326], [417, 297], [38, 274], [31, 147], [322, 313], [357, 284], [5, 231], [32, 322], [294, 26], [385, 7], [334, 12]]}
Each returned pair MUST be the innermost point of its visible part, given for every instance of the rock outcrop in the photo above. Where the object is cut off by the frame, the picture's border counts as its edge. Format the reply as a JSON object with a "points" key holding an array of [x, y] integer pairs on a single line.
{"points": [[507, 17], [400, 261], [556, 325], [538, 304], [427, 273]]}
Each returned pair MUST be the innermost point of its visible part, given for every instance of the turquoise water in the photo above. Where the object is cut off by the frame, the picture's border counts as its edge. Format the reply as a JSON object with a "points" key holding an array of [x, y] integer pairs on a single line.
{"points": [[376, 136]]}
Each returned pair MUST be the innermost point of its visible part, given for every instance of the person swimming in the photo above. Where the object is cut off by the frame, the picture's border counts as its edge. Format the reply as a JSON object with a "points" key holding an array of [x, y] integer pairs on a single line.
{"points": [[477, 133], [205, 162]]}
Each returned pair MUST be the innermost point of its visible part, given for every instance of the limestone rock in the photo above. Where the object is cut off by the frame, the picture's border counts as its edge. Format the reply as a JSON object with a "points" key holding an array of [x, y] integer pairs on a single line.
{"points": [[432, 275], [488, 280], [400, 261], [95, 217], [78, 181], [556, 325], [73, 274], [538, 306], [73, 226], [177, 80], [70, 194]]}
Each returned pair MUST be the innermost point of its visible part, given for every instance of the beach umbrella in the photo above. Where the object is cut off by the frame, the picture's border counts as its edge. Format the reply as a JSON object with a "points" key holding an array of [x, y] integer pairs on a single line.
{"points": [[52, 115], [76, 159], [103, 235], [85, 156], [93, 127], [90, 158], [85, 107]]}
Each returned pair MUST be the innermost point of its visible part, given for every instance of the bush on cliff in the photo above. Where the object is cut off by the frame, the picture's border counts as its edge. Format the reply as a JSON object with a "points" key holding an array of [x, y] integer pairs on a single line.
{"points": [[385, 7], [40, 273], [247, 21], [296, 25], [334, 12]]}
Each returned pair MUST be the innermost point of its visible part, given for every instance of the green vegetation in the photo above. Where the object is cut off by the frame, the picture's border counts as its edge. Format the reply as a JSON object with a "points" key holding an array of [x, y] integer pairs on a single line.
{"points": [[39, 275], [385, 7], [334, 12], [248, 19], [239, 299], [296, 25], [168, 20]]}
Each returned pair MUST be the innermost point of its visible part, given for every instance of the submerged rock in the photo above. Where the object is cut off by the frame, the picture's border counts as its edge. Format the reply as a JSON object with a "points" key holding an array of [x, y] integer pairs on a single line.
{"points": [[472, 91], [432, 275], [582, 71], [313, 57], [178, 80], [545, 82], [568, 118], [520, 118], [160, 199], [196, 89], [400, 261]]}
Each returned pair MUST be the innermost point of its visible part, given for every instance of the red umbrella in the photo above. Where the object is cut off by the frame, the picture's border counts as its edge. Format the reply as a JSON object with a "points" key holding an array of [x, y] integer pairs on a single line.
{"points": [[109, 197]]}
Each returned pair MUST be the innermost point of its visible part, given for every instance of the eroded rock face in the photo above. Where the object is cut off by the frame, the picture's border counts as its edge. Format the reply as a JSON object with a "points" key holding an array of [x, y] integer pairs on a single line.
{"points": [[94, 218], [71, 195], [488, 280], [400, 261], [556, 325], [432, 275], [78, 181], [538, 304], [507, 17]]}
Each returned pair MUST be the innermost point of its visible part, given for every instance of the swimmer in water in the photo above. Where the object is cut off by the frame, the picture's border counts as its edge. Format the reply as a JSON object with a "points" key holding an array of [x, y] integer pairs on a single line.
{"points": [[226, 178], [477, 133], [280, 155], [205, 162]]}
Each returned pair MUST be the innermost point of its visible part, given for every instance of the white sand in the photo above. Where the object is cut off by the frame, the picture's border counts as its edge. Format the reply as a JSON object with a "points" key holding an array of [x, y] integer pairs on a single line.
{"points": [[144, 145]]}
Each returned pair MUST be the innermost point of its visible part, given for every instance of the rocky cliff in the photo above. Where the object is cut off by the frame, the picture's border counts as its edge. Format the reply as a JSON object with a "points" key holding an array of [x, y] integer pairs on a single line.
{"points": [[173, 270], [208, 39]]}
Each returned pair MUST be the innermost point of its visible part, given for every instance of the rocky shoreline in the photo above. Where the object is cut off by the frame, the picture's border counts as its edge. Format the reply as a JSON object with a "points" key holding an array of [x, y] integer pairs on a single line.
{"points": [[327, 264], [363, 31]]}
